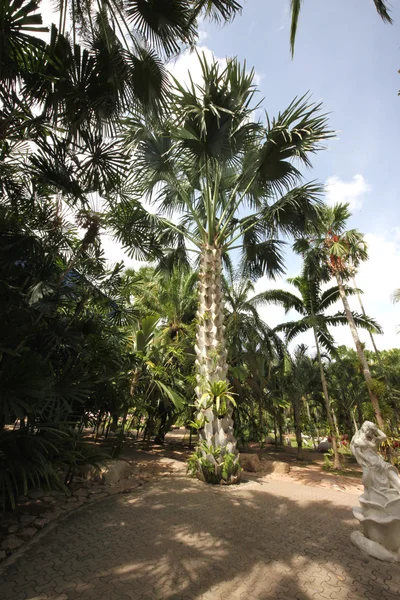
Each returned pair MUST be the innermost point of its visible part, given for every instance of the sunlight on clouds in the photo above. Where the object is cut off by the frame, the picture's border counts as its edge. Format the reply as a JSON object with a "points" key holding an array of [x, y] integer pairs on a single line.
{"points": [[352, 191], [188, 62]]}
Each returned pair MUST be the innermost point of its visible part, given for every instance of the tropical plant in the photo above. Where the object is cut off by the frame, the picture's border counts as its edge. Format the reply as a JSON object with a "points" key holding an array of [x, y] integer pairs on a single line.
{"points": [[208, 163], [246, 332], [312, 303], [343, 251], [298, 378]]}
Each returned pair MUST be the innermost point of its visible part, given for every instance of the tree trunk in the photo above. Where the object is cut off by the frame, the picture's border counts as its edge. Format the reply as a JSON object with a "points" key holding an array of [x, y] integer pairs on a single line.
{"points": [[336, 458], [360, 353], [280, 425], [378, 354], [297, 425], [119, 440], [310, 422], [354, 422], [335, 421], [359, 415], [217, 432]]}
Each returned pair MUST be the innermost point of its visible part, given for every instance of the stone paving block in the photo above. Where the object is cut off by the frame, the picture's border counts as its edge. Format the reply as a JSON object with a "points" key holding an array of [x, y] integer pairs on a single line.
{"points": [[179, 539]]}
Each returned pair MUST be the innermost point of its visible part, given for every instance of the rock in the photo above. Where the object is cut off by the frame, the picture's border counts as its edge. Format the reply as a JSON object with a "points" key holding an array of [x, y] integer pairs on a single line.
{"points": [[22, 499], [11, 542], [109, 473], [324, 446], [3, 555], [27, 533], [280, 467], [89, 472], [59, 495], [27, 519], [81, 493], [250, 463], [50, 516], [269, 440], [36, 494], [275, 466], [98, 495], [48, 499], [114, 471], [40, 523], [13, 529]]}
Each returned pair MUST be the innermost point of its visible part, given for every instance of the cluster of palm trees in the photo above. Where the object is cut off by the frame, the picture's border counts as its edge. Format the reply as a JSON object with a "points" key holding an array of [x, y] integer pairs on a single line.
{"points": [[91, 127]]}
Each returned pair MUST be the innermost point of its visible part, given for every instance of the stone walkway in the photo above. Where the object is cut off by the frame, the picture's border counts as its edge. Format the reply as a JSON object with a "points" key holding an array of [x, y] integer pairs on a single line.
{"points": [[176, 538]]}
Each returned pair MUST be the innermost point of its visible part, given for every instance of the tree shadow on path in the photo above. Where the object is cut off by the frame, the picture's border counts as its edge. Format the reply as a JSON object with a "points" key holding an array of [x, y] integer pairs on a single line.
{"points": [[179, 539]]}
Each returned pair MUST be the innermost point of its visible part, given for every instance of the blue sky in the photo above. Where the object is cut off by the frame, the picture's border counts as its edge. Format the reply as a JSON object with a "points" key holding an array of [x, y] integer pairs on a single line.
{"points": [[348, 58]]}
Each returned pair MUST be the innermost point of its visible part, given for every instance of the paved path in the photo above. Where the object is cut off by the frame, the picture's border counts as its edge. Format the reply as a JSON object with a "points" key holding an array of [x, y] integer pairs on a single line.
{"points": [[177, 539]]}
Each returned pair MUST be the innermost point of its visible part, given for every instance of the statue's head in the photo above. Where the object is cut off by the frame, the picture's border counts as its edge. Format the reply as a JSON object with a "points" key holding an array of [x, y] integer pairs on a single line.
{"points": [[369, 428]]}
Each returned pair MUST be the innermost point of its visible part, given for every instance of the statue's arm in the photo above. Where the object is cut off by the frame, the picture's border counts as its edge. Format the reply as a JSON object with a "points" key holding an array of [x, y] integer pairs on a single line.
{"points": [[380, 436], [356, 451]]}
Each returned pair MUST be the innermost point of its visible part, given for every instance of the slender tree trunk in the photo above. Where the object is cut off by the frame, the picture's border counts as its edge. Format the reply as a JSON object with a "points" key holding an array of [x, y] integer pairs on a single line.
{"points": [[280, 425], [310, 421], [211, 358], [260, 417], [354, 422], [119, 440], [371, 335], [359, 415], [360, 353], [335, 421], [336, 458], [297, 425], [275, 431]]}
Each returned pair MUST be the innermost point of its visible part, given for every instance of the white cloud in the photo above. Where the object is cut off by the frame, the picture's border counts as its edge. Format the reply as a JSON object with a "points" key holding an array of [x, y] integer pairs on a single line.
{"points": [[352, 191], [202, 35], [188, 62]]}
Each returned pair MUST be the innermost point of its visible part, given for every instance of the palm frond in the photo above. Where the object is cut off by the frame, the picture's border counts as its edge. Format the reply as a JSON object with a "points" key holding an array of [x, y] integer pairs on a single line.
{"points": [[295, 6]]}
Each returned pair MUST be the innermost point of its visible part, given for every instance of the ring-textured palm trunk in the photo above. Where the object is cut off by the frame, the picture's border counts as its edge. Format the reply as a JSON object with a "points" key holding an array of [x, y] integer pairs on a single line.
{"points": [[211, 353]]}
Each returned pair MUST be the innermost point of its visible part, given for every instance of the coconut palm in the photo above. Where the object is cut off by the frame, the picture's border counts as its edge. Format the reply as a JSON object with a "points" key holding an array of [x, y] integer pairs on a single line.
{"points": [[311, 303], [343, 250], [295, 6], [231, 185]]}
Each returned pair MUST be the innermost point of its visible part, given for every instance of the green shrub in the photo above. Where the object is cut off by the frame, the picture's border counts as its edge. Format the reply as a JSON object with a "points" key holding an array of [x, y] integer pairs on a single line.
{"points": [[211, 466]]}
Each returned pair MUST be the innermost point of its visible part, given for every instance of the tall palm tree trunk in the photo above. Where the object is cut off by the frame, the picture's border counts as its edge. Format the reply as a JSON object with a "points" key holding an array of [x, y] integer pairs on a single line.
{"points": [[211, 354], [360, 353], [371, 335], [336, 458]]}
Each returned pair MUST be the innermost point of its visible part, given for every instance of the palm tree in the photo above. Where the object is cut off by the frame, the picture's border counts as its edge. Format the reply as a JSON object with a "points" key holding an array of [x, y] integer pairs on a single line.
{"points": [[253, 351], [311, 304], [295, 6], [172, 295], [344, 250], [246, 331], [113, 61], [230, 183], [298, 378]]}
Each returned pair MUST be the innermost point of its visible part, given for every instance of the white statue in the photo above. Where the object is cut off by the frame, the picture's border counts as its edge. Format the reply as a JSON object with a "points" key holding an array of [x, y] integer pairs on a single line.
{"points": [[379, 514]]}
